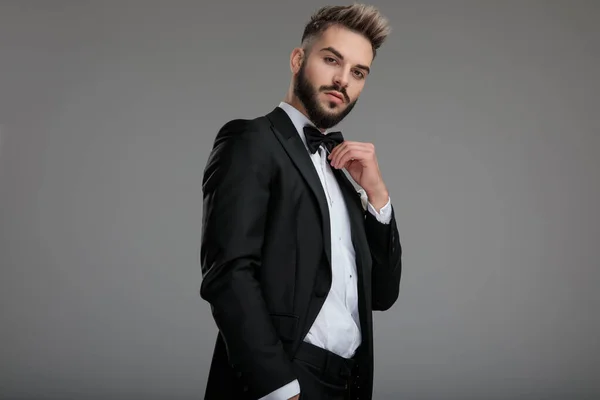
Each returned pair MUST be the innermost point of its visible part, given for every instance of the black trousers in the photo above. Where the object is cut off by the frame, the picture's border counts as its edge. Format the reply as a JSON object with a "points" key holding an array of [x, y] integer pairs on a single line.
{"points": [[322, 375]]}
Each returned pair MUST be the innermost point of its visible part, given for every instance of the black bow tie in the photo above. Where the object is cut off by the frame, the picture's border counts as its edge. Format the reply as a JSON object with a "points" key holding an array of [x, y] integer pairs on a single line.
{"points": [[315, 138]]}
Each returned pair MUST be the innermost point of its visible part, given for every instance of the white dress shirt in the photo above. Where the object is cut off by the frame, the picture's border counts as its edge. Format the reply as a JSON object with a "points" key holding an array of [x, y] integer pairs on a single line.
{"points": [[337, 326]]}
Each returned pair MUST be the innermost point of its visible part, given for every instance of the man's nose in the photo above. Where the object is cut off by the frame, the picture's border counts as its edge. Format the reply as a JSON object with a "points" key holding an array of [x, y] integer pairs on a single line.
{"points": [[341, 79]]}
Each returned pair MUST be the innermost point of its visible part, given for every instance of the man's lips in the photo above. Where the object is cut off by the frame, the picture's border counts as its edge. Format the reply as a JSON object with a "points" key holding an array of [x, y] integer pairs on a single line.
{"points": [[336, 95]]}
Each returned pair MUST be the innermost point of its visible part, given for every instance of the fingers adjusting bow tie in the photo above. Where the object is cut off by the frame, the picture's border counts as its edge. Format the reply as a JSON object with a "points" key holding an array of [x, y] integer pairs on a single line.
{"points": [[315, 138]]}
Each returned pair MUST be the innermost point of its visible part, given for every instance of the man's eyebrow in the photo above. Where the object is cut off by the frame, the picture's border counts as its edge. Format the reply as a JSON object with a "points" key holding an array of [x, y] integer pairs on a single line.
{"points": [[341, 57]]}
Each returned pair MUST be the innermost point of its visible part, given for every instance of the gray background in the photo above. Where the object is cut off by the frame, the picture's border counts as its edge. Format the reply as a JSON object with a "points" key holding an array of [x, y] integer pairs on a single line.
{"points": [[486, 119]]}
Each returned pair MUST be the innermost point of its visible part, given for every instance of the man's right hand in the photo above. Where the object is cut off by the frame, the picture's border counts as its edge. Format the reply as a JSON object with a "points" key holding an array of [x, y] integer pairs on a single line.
{"points": [[296, 397]]}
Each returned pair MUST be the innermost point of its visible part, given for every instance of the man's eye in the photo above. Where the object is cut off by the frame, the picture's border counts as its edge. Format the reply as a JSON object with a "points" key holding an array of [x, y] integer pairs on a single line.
{"points": [[359, 74], [329, 59]]}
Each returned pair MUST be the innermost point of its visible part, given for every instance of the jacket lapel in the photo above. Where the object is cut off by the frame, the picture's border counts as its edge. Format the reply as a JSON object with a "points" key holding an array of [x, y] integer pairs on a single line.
{"points": [[356, 214], [286, 133]]}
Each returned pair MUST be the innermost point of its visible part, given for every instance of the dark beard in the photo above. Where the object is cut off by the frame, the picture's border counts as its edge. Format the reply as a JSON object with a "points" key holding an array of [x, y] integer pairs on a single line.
{"points": [[308, 97]]}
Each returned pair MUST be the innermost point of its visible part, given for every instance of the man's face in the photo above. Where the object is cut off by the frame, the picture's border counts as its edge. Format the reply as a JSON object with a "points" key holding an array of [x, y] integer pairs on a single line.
{"points": [[331, 78]]}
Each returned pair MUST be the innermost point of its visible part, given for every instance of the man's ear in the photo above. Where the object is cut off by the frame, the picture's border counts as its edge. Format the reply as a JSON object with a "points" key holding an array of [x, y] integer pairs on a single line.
{"points": [[296, 59]]}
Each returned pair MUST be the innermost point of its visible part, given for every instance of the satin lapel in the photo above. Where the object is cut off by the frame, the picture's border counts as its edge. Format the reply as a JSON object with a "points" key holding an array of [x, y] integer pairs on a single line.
{"points": [[286, 132], [356, 214], [359, 239]]}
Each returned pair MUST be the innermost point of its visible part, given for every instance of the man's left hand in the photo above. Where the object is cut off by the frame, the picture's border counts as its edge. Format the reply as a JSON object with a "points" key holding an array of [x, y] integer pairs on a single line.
{"points": [[360, 160]]}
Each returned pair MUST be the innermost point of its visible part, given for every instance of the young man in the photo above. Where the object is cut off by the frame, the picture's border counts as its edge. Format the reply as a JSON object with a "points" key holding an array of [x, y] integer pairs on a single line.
{"points": [[293, 260]]}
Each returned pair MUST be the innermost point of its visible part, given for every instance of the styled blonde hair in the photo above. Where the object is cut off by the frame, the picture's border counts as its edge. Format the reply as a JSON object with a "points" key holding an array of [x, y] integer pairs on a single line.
{"points": [[361, 18]]}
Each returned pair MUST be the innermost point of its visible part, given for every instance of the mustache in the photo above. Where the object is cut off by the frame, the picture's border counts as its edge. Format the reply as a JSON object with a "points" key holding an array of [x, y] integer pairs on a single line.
{"points": [[337, 89]]}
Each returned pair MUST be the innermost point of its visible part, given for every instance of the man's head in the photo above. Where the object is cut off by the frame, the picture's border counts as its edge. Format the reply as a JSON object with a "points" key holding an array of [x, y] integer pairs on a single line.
{"points": [[329, 69]]}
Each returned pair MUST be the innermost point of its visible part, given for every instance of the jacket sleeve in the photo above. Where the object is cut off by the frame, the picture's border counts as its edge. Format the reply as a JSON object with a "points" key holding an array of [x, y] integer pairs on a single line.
{"points": [[236, 197], [386, 252]]}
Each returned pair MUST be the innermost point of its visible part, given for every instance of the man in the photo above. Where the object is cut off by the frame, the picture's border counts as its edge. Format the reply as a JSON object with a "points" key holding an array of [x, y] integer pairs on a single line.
{"points": [[293, 260]]}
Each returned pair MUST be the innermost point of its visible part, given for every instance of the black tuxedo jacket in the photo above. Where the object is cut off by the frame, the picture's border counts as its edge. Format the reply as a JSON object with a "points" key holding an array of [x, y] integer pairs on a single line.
{"points": [[266, 256]]}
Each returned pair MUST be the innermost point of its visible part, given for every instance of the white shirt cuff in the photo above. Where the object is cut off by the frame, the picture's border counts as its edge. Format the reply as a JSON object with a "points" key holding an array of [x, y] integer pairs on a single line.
{"points": [[385, 214], [285, 392]]}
